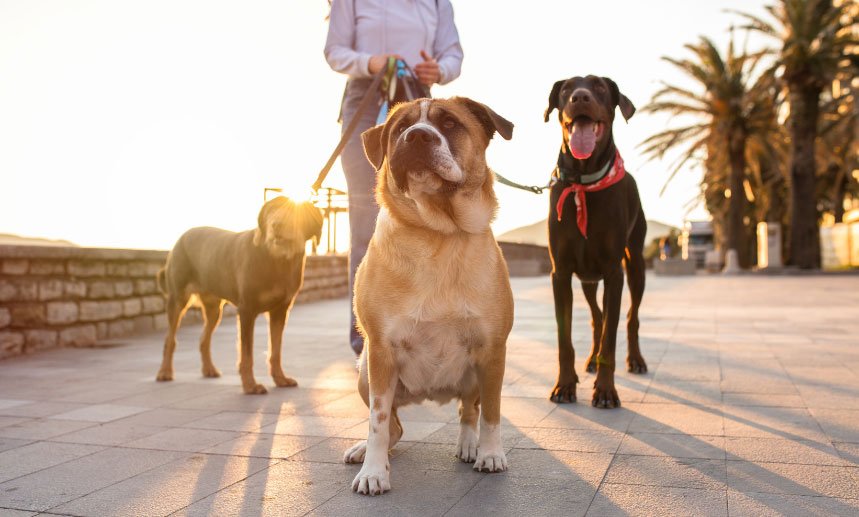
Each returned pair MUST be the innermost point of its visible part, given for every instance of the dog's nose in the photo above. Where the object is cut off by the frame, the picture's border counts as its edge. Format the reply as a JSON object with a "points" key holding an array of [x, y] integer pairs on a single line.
{"points": [[581, 95], [421, 134]]}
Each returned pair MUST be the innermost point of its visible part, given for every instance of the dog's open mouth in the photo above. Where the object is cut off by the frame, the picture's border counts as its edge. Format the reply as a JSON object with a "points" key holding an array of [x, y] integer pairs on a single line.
{"points": [[584, 134]]}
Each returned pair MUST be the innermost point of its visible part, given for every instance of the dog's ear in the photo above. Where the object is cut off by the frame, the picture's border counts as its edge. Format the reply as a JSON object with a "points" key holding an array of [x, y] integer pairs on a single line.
{"points": [[553, 99], [490, 120], [311, 222], [627, 109], [374, 147], [259, 232]]}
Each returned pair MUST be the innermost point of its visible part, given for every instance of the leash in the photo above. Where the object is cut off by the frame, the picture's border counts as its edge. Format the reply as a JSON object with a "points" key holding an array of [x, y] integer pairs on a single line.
{"points": [[533, 188], [396, 70]]}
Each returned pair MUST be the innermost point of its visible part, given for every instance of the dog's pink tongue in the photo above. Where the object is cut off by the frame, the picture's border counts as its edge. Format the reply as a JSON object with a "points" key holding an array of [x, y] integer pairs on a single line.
{"points": [[582, 139]]}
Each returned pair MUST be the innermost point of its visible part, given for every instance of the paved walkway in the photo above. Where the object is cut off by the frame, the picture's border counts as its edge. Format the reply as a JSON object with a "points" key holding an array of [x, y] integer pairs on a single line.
{"points": [[751, 407]]}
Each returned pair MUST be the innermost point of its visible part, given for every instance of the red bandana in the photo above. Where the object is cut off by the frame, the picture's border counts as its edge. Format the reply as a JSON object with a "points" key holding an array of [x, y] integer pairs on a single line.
{"points": [[614, 175]]}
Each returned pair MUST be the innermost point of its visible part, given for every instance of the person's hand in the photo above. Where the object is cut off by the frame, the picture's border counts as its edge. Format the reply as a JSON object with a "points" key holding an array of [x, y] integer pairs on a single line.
{"points": [[379, 62], [428, 72]]}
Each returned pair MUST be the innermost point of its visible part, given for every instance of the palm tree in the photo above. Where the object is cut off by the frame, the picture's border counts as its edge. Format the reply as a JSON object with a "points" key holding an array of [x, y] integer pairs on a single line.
{"points": [[815, 35], [726, 114]]}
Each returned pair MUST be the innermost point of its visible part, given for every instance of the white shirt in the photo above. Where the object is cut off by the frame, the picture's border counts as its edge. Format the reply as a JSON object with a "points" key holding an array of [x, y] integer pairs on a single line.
{"points": [[359, 29]]}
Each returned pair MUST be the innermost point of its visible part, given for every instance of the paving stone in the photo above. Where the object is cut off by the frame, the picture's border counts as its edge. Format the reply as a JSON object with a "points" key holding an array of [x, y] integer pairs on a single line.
{"points": [[284, 489], [39, 429], [667, 472], [167, 488], [449, 433], [311, 425], [584, 416], [841, 425], [678, 419], [849, 451], [577, 440], [233, 421], [634, 500], [114, 433], [578, 466], [786, 478], [40, 409], [330, 450], [777, 505], [37, 456], [772, 422], [11, 403], [413, 492], [513, 495], [12, 443], [677, 446], [782, 451], [179, 439], [100, 413], [262, 445], [56, 485]]}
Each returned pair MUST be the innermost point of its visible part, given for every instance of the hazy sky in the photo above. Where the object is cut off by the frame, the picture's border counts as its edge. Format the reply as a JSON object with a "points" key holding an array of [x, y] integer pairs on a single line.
{"points": [[124, 123]]}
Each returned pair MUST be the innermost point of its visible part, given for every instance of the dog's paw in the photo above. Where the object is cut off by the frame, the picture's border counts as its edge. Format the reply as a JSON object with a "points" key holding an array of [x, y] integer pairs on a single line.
{"points": [[605, 396], [372, 480], [209, 370], [466, 447], [491, 461], [282, 381], [164, 375], [355, 454], [254, 389], [564, 393], [636, 365]]}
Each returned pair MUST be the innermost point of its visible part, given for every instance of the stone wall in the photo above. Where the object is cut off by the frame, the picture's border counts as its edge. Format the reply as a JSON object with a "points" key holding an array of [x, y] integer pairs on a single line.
{"points": [[526, 259], [59, 296]]}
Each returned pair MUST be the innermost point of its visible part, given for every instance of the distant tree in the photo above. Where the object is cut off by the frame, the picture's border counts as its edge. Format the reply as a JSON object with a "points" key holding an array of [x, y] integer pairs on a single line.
{"points": [[815, 37], [728, 119]]}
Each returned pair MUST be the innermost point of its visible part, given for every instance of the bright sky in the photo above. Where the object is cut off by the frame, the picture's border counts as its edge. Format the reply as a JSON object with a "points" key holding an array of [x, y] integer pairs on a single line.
{"points": [[123, 124]]}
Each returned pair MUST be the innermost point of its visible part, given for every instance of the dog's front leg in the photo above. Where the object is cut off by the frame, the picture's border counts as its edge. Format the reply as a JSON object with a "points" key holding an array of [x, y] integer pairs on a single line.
{"points": [[246, 353], [490, 375], [276, 323], [605, 394], [374, 477], [562, 288]]}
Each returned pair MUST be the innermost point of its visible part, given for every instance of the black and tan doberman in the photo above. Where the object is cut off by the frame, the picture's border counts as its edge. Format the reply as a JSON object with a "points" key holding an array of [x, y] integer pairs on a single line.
{"points": [[596, 227]]}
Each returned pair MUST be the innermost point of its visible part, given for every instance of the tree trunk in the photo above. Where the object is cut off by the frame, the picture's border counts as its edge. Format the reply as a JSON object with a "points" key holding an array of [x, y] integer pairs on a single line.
{"points": [[838, 197], [736, 212], [805, 240]]}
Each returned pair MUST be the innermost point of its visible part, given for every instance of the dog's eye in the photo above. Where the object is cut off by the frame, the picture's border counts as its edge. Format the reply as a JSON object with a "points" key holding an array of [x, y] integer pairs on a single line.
{"points": [[448, 123], [400, 129]]}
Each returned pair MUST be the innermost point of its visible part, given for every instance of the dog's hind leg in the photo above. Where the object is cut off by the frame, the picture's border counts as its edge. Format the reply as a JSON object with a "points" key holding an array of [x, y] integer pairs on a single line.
{"points": [[276, 324], [565, 389], [590, 290], [469, 411], [175, 311], [211, 318]]}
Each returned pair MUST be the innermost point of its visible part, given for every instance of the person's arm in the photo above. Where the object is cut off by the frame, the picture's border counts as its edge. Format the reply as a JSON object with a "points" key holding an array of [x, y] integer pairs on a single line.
{"points": [[339, 47], [447, 50]]}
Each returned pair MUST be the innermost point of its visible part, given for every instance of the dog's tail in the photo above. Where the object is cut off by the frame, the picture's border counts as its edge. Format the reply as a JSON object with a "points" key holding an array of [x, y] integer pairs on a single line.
{"points": [[161, 279]]}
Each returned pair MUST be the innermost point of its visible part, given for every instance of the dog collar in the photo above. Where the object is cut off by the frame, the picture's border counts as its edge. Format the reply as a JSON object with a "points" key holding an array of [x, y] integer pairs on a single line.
{"points": [[607, 178], [565, 174]]}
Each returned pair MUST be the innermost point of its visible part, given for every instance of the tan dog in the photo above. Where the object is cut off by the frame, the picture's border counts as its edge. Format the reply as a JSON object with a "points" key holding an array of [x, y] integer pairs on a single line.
{"points": [[258, 270], [432, 295]]}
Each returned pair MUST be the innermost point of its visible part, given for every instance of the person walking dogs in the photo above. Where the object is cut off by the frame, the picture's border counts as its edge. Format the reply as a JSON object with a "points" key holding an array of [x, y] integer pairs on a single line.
{"points": [[362, 35]]}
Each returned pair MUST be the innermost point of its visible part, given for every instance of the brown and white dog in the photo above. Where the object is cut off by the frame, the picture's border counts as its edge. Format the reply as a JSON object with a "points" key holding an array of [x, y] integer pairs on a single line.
{"points": [[258, 270], [432, 295]]}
